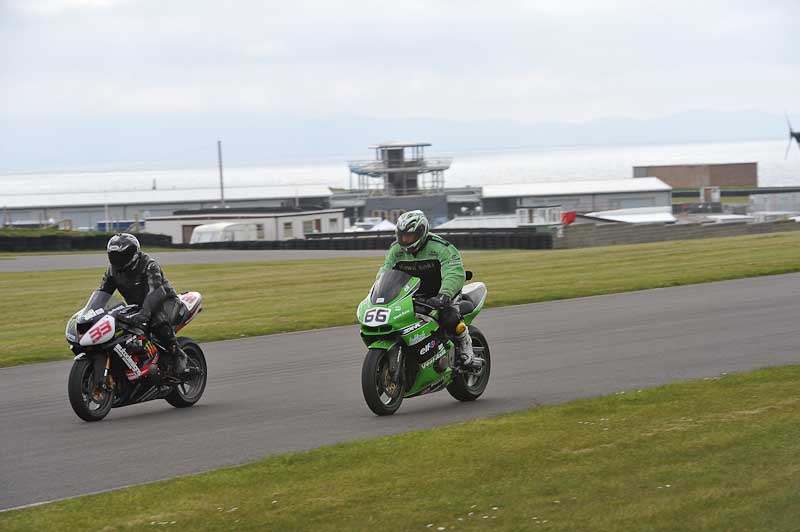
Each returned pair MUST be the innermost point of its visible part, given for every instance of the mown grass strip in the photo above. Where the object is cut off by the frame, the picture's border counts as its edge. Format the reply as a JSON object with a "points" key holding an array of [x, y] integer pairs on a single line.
{"points": [[724, 199], [711, 455], [270, 297], [33, 232]]}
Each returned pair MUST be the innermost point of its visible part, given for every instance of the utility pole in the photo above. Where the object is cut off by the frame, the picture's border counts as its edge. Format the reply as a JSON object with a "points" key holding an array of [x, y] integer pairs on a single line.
{"points": [[105, 211], [221, 181]]}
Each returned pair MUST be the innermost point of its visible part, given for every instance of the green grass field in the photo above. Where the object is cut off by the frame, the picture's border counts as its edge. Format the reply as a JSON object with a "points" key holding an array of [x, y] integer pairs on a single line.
{"points": [[270, 297], [45, 231], [724, 199], [711, 455]]}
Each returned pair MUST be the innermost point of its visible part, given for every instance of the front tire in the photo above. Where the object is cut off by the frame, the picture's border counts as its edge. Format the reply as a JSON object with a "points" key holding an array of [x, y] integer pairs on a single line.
{"points": [[88, 402], [189, 392], [470, 386], [383, 396]]}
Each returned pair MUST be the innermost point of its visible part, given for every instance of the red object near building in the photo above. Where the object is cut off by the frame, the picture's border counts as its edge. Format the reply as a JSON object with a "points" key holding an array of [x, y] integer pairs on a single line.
{"points": [[567, 217]]}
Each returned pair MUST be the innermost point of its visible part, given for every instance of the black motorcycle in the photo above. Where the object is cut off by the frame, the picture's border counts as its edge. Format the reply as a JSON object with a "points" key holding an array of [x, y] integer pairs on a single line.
{"points": [[119, 364]]}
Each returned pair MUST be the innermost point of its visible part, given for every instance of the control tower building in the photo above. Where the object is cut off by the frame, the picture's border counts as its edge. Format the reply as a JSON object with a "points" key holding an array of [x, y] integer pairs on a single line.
{"points": [[400, 169]]}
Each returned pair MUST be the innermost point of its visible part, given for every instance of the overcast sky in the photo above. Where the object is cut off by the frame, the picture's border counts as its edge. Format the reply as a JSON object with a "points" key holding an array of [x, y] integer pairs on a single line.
{"points": [[104, 61]]}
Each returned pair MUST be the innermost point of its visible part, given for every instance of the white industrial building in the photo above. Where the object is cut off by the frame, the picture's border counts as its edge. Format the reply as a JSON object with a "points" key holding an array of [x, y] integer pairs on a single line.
{"points": [[89, 209], [580, 196], [282, 225], [545, 216], [637, 215]]}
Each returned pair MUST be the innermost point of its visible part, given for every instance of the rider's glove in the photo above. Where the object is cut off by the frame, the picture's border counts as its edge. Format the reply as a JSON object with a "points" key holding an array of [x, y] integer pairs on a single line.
{"points": [[139, 319], [440, 301]]}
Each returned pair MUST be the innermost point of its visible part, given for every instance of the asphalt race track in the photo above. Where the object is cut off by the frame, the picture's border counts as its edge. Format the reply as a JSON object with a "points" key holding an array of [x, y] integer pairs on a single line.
{"points": [[297, 391], [68, 261]]}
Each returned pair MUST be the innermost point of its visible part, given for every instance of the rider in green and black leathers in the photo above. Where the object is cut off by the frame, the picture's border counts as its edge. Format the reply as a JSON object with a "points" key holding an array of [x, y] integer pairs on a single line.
{"points": [[438, 264], [140, 280]]}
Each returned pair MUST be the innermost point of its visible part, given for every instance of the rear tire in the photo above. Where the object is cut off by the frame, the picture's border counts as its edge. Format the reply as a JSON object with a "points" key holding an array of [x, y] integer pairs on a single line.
{"points": [[382, 396], [188, 393], [470, 386], [88, 403]]}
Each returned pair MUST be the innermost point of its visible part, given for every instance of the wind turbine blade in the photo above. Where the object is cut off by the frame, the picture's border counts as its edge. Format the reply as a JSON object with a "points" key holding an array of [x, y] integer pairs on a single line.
{"points": [[788, 146], [788, 123]]}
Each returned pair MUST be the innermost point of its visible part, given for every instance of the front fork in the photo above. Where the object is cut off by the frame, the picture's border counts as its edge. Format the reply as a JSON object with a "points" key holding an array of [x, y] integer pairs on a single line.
{"points": [[396, 365], [102, 377]]}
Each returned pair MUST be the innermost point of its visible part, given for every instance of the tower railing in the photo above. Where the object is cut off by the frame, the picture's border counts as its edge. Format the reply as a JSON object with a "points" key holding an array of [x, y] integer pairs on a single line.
{"points": [[378, 167]]}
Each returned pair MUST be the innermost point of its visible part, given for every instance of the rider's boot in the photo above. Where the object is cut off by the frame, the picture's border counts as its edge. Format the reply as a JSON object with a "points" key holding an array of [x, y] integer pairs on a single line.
{"points": [[466, 356], [179, 359]]}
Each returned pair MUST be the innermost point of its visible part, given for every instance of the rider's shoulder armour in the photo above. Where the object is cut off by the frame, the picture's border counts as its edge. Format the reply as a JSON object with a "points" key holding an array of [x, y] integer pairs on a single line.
{"points": [[436, 238]]}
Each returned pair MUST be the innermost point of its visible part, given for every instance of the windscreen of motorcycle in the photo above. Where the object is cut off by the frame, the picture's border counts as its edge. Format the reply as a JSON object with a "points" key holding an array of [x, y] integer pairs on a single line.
{"points": [[82, 321], [390, 285]]}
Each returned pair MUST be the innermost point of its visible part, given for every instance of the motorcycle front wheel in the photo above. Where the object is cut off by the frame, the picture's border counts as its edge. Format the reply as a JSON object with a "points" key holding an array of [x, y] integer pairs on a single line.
{"points": [[382, 394], [89, 402]]}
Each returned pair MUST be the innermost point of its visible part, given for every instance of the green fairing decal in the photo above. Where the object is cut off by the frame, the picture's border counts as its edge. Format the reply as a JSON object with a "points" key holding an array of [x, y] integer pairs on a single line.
{"points": [[427, 378], [420, 333]]}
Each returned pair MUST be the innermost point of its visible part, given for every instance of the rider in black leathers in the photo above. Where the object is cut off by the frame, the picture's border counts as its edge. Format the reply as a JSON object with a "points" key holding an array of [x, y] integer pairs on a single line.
{"points": [[140, 280]]}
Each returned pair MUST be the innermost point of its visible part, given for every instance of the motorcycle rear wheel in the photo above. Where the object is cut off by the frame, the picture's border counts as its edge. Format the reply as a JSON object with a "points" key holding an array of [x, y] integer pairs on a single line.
{"points": [[470, 386], [89, 403], [382, 395], [188, 393]]}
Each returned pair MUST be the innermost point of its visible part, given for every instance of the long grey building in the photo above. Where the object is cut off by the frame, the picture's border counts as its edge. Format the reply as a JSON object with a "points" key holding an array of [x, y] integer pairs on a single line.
{"points": [[580, 196], [92, 209]]}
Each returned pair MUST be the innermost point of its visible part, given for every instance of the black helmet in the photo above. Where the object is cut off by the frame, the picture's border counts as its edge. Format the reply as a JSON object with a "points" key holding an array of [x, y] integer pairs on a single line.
{"points": [[123, 251]]}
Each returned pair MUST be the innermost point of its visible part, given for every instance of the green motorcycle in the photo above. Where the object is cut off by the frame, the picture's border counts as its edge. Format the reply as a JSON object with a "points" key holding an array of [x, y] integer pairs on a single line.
{"points": [[409, 355]]}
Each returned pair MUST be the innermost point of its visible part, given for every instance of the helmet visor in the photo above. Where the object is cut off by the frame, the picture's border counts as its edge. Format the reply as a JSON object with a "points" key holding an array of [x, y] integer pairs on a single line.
{"points": [[121, 258], [409, 238]]}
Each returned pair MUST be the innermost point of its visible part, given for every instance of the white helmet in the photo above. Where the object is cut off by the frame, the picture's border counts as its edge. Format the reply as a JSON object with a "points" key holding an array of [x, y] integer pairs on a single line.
{"points": [[412, 230]]}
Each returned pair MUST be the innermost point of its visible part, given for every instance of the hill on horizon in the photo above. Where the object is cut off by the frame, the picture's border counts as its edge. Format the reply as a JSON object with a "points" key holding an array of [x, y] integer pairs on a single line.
{"points": [[190, 140]]}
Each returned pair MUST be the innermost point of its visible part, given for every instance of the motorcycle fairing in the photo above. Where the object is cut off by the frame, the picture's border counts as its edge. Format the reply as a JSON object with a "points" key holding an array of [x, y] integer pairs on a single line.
{"points": [[393, 292], [193, 302], [382, 343], [476, 293], [418, 334], [100, 333]]}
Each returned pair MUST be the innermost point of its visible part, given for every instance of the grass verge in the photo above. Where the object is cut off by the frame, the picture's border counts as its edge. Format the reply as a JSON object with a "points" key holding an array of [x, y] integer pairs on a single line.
{"points": [[45, 231], [711, 455], [270, 297], [724, 199]]}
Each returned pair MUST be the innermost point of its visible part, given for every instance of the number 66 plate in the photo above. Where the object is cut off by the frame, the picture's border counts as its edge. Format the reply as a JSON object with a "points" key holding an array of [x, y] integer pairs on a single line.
{"points": [[376, 316]]}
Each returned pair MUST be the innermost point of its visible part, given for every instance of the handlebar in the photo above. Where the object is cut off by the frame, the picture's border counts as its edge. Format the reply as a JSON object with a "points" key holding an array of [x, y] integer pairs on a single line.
{"points": [[123, 312], [426, 305], [123, 317], [426, 302], [423, 303]]}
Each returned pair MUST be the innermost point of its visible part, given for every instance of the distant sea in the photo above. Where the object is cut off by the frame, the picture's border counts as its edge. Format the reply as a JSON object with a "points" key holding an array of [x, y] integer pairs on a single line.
{"points": [[469, 168]]}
